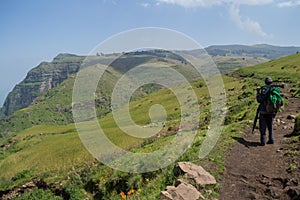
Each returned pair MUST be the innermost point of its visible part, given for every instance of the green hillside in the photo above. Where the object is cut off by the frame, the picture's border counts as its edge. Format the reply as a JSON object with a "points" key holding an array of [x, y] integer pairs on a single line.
{"points": [[53, 155], [54, 106], [286, 69], [60, 154]]}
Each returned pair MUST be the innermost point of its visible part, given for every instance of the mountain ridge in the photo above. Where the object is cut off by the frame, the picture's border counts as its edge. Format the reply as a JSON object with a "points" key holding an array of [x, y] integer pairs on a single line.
{"points": [[262, 50], [48, 75]]}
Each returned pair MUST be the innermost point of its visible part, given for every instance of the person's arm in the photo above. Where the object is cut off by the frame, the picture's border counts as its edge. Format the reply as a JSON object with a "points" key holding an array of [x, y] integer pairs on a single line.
{"points": [[258, 95], [262, 94]]}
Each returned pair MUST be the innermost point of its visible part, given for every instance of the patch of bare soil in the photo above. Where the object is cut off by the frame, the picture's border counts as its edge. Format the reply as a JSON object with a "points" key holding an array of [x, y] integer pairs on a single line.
{"points": [[265, 172]]}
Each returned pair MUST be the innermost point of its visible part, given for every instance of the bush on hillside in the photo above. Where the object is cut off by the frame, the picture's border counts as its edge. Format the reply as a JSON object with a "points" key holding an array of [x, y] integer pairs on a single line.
{"points": [[297, 126], [38, 194]]}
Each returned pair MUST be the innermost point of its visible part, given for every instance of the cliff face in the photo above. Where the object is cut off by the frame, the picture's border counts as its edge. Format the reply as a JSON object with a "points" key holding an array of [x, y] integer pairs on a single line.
{"points": [[44, 77]]}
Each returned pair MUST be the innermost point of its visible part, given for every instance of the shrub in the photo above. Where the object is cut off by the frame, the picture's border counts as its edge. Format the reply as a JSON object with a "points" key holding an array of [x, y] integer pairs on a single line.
{"points": [[74, 192], [38, 194], [297, 126], [21, 175], [245, 95]]}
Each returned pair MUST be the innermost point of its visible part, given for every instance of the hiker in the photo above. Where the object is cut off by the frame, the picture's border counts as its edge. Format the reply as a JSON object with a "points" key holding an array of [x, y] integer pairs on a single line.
{"points": [[268, 109]]}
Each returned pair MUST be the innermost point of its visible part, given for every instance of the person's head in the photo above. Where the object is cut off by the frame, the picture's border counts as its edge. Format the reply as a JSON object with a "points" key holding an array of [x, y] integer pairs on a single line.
{"points": [[268, 81]]}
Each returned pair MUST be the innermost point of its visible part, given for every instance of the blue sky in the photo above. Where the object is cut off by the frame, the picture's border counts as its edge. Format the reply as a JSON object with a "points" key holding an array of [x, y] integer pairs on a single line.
{"points": [[34, 31]]}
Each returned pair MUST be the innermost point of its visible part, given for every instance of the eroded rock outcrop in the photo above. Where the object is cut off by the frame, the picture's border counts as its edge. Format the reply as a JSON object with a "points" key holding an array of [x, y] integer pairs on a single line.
{"points": [[183, 191], [187, 187], [42, 78], [194, 172]]}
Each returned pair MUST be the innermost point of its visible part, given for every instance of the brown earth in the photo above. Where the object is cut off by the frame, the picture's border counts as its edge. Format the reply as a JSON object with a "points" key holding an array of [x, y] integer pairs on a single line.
{"points": [[265, 172]]}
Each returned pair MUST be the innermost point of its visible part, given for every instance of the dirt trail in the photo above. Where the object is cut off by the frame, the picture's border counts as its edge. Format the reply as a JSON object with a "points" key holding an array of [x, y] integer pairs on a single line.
{"points": [[261, 172]]}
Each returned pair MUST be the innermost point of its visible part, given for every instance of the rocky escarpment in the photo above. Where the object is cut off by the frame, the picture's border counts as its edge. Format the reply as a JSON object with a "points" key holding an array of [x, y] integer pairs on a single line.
{"points": [[44, 77]]}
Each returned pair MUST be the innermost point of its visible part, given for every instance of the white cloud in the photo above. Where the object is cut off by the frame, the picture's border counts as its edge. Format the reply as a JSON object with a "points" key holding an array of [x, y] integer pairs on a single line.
{"points": [[288, 4], [207, 3], [145, 5], [244, 24], [192, 3], [251, 2], [248, 24]]}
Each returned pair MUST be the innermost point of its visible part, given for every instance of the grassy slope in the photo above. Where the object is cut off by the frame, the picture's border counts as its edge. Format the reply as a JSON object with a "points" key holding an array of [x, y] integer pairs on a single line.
{"points": [[64, 150], [286, 69], [231, 63], [54, 107], [41, 134]]}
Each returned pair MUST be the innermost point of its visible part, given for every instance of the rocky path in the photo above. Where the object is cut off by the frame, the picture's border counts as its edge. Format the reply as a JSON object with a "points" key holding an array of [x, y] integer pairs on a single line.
{"points": [[264, 172]]}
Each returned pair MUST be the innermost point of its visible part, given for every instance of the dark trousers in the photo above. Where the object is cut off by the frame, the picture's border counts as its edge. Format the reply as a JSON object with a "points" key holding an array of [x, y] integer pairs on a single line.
{"points": [[266, 121]]}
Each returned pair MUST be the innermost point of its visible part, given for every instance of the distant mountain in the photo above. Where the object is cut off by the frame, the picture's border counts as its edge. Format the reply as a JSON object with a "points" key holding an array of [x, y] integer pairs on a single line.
{"points": [[259, 50], [49, 75]]}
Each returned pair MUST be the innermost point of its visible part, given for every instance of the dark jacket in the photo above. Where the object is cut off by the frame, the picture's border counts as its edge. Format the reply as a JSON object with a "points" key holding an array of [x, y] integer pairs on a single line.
{"points": [[262, 97]]}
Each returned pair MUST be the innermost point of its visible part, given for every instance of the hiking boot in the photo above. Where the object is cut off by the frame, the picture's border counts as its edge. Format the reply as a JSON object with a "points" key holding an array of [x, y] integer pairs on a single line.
{"points": [[270, 142], [262, 144]]}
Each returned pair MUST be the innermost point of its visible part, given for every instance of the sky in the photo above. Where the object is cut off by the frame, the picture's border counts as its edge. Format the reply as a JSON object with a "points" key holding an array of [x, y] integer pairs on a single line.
{"points": [[34, 31]]}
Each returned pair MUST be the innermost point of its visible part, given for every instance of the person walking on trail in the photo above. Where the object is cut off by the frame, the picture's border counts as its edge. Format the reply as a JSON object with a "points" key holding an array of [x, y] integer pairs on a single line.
{"points": [[270, 100]]}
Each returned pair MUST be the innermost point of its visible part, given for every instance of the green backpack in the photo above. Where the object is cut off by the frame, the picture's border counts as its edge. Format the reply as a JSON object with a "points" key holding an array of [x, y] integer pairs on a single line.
{"points": [[274, 100]]}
